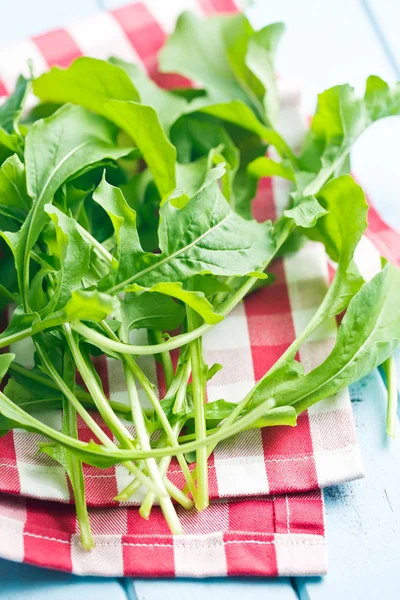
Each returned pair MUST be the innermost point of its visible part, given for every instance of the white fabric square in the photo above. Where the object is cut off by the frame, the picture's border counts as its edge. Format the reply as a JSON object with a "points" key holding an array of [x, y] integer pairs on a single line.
{"points": [[336, 467], [170, 11], [43, 482], [192, 553], [14, 60], [12, 539], [298, 554], [105, 559], [241, 459], [90, 33], [230, 333]]}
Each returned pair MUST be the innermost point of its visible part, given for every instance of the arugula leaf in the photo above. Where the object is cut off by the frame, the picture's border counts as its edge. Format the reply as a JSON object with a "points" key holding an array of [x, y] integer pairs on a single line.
{"points": [[11, 109], [143, 125], [89, 82], [14, 200], [368, 334], [74, 256], [56, 148], [106, 89], [150, 311], [195, 299], [260, 60], [306, 213], [5, 361], [340, 119], [204, 236], [264, 166], [169, 106], [204, 57]]}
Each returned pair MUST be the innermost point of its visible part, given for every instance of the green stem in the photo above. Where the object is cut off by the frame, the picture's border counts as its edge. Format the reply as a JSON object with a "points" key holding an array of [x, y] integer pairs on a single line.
{"points": [[148, 389], [165, 501], [393, 394], [267, 410], [165, 360], [75, 471], [163, 466], [181, 393], [82, 396], [101, 402], [98, 247], [88, 419], [198, 393], [148, 501], [318, 318]]}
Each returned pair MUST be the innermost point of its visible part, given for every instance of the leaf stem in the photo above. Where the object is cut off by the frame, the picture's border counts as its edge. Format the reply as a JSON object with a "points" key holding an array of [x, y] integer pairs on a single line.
{"points": [[88, 419], [143, 437], [165, 359], [80, 394], [198, 392], [76, 472], [148, 389]]}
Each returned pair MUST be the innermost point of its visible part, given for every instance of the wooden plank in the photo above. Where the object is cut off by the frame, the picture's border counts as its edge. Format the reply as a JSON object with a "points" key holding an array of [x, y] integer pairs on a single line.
{"points": [[363, 517], [385, 17], [24, 18], [215, 589], [24, 581]]}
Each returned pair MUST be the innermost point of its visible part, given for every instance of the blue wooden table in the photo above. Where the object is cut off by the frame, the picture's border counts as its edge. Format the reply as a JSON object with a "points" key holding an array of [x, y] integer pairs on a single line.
{"points": [[330, 42]]}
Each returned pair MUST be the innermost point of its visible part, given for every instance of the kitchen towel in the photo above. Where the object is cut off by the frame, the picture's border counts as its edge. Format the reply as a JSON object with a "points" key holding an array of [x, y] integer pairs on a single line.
{"points": [[267, 512]]}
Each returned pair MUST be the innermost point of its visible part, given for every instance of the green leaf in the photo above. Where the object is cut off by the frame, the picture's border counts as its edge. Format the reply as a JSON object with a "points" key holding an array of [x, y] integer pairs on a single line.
{"points": [[204, 236], [106, 88], [74, 256], [11, 109], [260, 60], [169, 106], [345, 218], [196, 49], [5, 361], [123, 219], [264, 166], [89, 82], [88, 305], [32, 398], [195, 299], [14, 200], [340, 119], [57, 148], [151, 311], [380, 99], [143, 125], [368, 335], [306, 213], [237, 112], [19, 321]]}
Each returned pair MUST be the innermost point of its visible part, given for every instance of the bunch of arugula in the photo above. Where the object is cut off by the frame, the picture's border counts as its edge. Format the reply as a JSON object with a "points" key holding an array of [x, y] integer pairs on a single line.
{"points": [[125, 206]]}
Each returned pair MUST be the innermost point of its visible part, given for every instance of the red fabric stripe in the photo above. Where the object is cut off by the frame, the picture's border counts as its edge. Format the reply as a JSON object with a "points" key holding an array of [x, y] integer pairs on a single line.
{"points": [[249, 559], [289, 457], [3, 89], [144, 559], [218, 6], [147, 38], [9, 476], [47, 534], [57, 47], [385, 239]]}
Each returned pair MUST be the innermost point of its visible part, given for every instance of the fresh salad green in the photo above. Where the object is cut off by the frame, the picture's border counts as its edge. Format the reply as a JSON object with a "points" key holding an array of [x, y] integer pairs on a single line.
{"points": [[124, 206]]}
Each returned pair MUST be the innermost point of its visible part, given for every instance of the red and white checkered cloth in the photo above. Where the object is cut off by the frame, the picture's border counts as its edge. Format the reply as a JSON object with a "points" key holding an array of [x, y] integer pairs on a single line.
{"points": [[276, 527]]}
